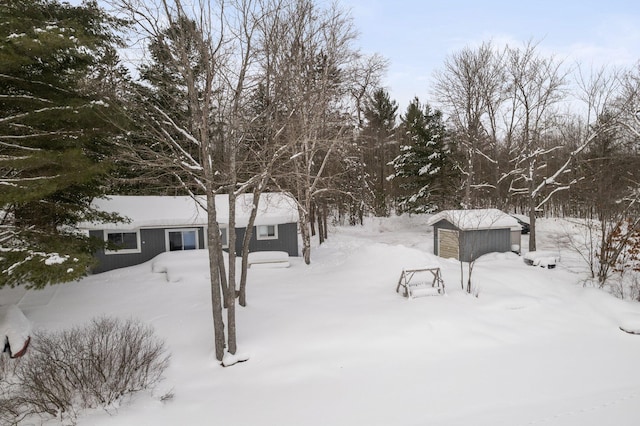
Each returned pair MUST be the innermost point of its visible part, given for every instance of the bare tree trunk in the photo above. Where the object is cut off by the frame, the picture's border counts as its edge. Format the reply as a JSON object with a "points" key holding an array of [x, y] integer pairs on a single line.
{"points": [[312, 219], [324, 220], [303, 222], [223, 275], [214, 272], [321, 233], [532, 224], [231, 289], [242, 297]]}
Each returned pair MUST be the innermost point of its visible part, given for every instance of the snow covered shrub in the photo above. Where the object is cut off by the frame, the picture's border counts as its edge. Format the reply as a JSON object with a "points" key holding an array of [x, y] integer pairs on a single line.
{"points": [[88, 367], [9, 406]]}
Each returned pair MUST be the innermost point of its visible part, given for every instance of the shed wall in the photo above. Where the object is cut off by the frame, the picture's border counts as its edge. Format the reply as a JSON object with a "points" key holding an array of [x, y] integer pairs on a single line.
{"points": [[474, 244]]}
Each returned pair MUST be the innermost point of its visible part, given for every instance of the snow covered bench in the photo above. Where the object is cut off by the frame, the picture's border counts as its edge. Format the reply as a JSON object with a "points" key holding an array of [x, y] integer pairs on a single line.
{"points": [[544, 259], [15, 331], [418, 282], [268, 259]]}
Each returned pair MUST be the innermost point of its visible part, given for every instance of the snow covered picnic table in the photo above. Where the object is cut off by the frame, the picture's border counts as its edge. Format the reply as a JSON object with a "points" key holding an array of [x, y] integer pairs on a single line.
{"points": [[268, 259], [15, 331], [544, 259]]}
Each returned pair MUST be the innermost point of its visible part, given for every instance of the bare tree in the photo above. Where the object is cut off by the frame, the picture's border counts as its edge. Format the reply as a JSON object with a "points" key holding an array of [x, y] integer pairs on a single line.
{"points": [[312, 87], [537, 85], [207, 50], [470, 89]]}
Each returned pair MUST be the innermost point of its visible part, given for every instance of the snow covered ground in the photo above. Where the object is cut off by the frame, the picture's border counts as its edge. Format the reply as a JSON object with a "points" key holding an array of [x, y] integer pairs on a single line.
{"points": [[333, 344]]}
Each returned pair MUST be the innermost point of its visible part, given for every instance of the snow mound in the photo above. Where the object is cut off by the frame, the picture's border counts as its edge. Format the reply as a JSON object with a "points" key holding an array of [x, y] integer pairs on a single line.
{"points": [[178, 265], [630, 323], [231, 359], [269, 259], [15, 330], [545, 259]]}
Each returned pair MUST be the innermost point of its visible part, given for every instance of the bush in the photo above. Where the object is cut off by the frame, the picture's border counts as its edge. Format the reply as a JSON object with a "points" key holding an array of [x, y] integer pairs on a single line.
{"points": [[88, 367], [9, 406]]}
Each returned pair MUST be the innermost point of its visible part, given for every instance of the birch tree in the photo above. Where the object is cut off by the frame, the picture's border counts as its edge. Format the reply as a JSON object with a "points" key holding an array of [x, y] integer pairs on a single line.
{"points": [[315, 49]]}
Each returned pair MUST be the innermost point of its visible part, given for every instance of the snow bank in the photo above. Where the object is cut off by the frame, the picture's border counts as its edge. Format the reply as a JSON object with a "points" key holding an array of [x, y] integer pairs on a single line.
{"points": [[630, 323], [179, 266], [533, 348], [268, 259], [545, 259]]}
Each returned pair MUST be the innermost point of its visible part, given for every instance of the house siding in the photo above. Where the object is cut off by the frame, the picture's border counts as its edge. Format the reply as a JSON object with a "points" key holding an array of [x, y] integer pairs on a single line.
{"points": [[287, 240], [152, 243]]}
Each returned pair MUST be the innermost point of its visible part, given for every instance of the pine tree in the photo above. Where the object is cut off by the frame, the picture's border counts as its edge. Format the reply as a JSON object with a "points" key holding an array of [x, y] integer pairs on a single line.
{"points": [[380, 146], [424, 170], [50, 129]]}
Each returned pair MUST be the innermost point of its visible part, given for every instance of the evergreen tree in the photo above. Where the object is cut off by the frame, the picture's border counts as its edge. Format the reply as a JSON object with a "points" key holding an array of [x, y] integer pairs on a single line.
{"points": [[51, 133], [424, 169], [380, 147]]}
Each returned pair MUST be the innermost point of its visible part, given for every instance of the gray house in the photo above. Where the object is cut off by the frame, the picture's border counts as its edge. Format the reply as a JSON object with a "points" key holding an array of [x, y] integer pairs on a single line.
{"points": [[468, 234], [159, 224]]}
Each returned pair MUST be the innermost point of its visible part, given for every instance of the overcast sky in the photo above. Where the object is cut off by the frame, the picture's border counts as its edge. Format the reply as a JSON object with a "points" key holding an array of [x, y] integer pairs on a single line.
{"points": [[417, 35]]}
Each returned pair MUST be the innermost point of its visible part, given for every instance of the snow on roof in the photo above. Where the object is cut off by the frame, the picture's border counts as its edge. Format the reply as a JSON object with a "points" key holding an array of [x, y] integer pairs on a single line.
{"points": [[162, 211], [469, 220]]}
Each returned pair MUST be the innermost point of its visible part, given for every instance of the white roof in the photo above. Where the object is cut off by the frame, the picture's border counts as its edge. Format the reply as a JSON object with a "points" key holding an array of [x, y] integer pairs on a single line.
{"points": [[469, 220], [147, 211]]}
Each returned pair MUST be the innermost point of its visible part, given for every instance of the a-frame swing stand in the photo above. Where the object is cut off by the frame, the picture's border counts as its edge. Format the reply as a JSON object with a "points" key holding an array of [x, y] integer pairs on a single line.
{"points": [[421, 282]]}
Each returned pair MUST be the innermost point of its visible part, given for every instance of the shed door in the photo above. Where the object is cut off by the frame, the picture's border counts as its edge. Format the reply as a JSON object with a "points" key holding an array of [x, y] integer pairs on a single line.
{"points": [[448, 245]]}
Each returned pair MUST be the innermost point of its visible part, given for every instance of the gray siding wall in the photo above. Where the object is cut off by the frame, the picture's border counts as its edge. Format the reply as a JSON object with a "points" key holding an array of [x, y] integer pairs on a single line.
{"points": [[152, 242], [287, 240], [474, 244]]}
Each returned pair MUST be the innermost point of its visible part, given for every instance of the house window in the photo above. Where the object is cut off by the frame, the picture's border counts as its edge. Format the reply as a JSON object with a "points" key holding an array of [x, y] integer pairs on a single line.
{"points": [[121, 242], [267, 232], [181, 239]]}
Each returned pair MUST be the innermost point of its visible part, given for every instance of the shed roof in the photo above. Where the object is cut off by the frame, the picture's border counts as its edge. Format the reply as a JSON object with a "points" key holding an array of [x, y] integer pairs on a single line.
{"points": [[162, 211], [476, 219]]}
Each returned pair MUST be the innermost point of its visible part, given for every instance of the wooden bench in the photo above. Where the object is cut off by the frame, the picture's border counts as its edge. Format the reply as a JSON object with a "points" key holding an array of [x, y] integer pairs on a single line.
{"points": [[414, 287], [268, 259]]}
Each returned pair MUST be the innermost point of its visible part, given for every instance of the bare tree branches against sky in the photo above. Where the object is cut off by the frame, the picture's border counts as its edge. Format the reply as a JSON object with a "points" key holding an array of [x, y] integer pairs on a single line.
{"points": [[417, 35]]}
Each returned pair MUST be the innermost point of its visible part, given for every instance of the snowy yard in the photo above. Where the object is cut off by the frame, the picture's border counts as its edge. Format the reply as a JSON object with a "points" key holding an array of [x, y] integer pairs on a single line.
{"points": [[333, 343]]}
